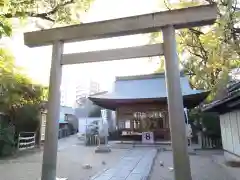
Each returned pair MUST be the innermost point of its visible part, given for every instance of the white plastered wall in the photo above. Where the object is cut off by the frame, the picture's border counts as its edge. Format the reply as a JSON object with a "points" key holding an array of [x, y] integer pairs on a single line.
{"points": [[230, 128]]}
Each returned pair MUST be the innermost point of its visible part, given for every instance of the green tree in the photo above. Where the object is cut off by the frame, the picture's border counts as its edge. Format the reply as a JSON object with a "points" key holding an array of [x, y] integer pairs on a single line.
{"points": [[13, 81], [20, 102], [7, 142], [16, 89], [59, 12], [209, 52], [20, 98], [95, 111]]}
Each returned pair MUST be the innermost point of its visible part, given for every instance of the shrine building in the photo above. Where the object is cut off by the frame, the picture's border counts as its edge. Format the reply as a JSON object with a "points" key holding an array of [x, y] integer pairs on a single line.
{"points": [[140, 103]]}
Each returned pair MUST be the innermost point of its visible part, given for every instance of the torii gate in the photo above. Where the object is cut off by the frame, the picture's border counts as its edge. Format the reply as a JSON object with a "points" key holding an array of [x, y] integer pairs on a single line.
{"points": [[167, 22]]}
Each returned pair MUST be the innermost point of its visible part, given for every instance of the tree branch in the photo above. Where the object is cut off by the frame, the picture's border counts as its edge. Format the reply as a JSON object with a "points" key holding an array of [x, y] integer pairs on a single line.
{"points": [[195, 54], [167, 5], [195, 31], [55, 9], [210, 1], [201, 47], [45, 16]]}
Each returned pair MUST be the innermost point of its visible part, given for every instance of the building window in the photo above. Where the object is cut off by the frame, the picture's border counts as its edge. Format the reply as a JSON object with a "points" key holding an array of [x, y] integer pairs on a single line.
{"points": [[121, 124], [127, 124]]}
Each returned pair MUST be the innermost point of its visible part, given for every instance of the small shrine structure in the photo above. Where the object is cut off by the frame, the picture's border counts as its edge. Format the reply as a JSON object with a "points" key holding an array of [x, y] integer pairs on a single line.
{"points": [[140, 103]]}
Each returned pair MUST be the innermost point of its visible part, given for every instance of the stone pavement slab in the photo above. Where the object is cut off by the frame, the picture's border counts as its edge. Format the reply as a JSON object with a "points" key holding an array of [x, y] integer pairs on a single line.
{"points": [[135, 165], [202, 168]]}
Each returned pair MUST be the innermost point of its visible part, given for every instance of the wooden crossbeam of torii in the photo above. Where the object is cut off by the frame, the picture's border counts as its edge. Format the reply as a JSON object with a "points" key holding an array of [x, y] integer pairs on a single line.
{"points": [[147, 23], [166, 22], [113, 54]]}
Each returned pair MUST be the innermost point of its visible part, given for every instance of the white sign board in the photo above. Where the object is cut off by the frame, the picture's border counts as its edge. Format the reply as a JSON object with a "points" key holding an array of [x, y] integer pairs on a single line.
{"points": [[103, 126], [188, 131], [43, 126], [104, 114], [147, 137]]}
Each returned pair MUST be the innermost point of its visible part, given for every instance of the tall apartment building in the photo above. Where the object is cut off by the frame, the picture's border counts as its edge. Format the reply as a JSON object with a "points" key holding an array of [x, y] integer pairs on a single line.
{"points": [[94, 87], [63, 97], [83, 90]]}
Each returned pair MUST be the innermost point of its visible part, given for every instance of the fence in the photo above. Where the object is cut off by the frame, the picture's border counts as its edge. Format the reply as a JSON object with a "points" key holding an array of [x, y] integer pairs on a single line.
{"points": [[62, 133], [26, 140], [91, 140], [208, 142]]}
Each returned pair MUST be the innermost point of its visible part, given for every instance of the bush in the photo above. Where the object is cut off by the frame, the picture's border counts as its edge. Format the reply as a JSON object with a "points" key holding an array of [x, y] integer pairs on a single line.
{"points": [[205, 120], [26, 118], [7, 142]]}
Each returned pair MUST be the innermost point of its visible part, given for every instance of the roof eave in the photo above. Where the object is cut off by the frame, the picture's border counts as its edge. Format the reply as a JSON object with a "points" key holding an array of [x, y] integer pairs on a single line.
{"points": [[224, 105], [190, 101]]}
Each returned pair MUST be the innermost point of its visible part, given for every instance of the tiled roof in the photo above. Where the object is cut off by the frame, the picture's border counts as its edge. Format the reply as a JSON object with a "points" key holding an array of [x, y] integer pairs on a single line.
{"points": [[144, 87], [233, 97]]}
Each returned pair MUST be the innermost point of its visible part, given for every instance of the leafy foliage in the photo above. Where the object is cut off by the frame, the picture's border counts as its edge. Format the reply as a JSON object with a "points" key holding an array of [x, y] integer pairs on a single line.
{"points": [[209, 52], [95, 111], [7, 143], [61, 11], [26, 118], [58, 12], [20, 99], [16, 89], [204, 120]]}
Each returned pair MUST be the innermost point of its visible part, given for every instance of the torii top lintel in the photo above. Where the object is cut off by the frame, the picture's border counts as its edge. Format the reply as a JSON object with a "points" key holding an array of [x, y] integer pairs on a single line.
{"points": [[179, 18]]}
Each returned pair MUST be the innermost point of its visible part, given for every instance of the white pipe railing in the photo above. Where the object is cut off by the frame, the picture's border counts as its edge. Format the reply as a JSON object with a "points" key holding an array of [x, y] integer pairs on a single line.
{"points": [[26, 141], [207, 142]]}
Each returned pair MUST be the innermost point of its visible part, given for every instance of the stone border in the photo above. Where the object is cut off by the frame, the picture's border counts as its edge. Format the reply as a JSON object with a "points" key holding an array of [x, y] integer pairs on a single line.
{"points": [[153, 164]]}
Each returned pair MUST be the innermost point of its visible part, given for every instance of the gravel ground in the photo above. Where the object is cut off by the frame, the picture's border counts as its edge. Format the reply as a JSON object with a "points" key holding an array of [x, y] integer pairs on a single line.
{"points": [[202, 168], [72, 156]]}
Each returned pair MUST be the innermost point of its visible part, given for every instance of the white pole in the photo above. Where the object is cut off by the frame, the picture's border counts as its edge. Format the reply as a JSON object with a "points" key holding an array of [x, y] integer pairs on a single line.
{"points": [[186, 114], [175, 106], [189, 137], [51, 140]]}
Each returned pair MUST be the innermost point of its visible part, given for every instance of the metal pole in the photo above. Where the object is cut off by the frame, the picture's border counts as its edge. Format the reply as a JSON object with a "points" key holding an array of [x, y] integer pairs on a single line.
{"points": [[51, 140], [175, 106]]}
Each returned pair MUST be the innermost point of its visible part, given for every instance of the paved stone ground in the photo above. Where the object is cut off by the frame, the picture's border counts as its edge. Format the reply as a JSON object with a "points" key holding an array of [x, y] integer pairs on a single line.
{"points": [[121, 164], [234, 171], [136, 165], [71, 157], [203, 167]]}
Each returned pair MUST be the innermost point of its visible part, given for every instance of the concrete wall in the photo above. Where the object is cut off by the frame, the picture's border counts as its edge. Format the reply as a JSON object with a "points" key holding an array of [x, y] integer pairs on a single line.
{"points": [[230, 130]]}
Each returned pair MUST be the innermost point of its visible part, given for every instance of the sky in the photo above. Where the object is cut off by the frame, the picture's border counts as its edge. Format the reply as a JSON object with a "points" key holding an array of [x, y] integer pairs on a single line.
{"points": [[36, 61]]}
